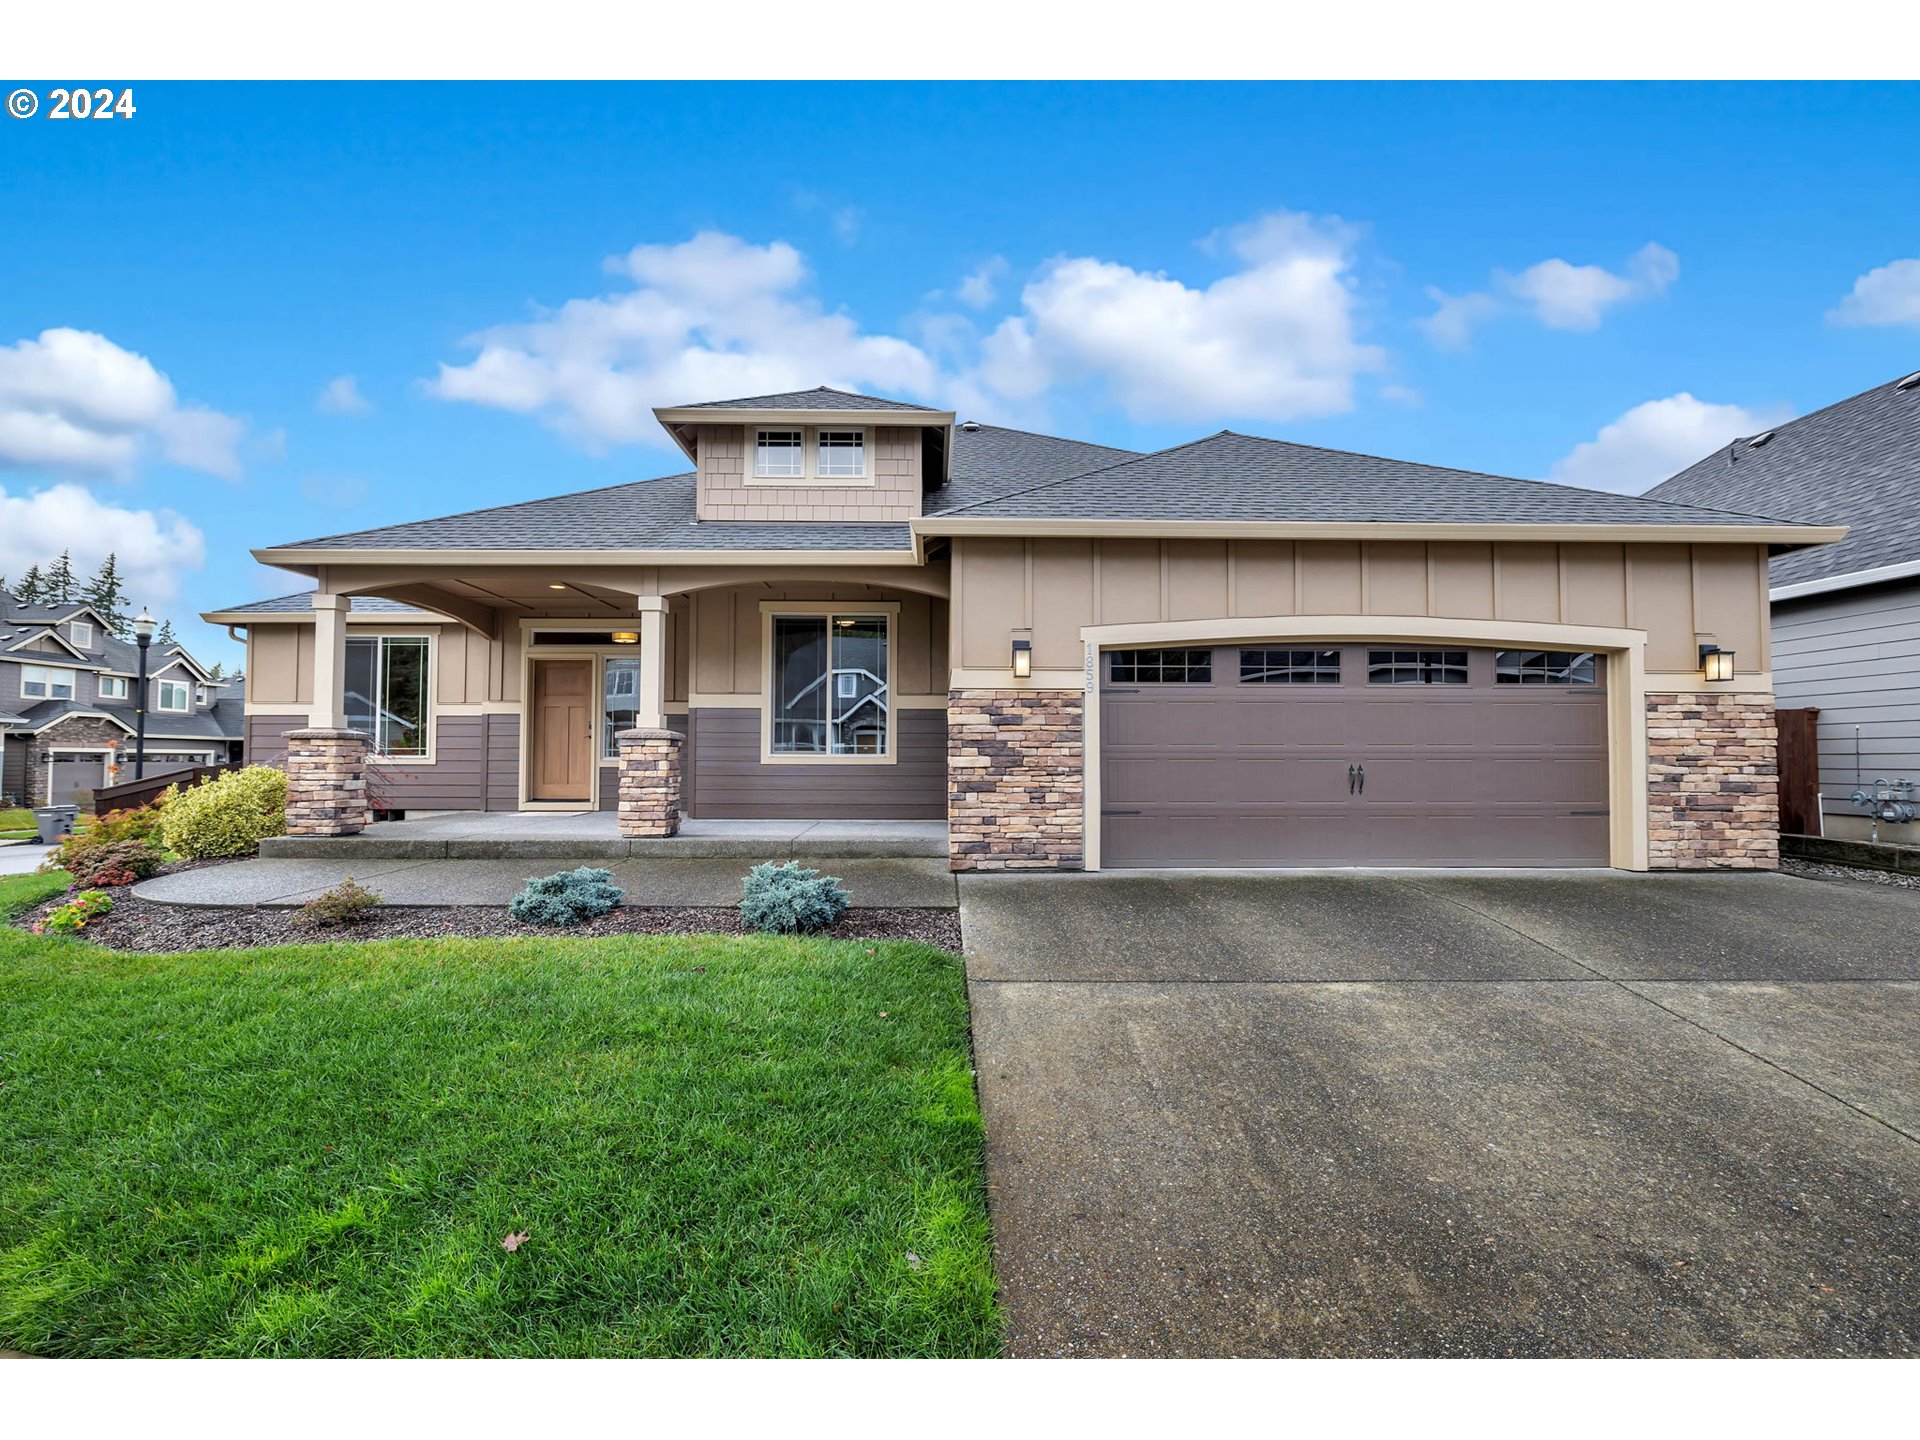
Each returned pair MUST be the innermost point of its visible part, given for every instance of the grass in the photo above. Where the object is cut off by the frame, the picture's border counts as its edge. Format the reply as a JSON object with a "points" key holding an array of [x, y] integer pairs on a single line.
{"points": [[717, 1146], [16, 822]]}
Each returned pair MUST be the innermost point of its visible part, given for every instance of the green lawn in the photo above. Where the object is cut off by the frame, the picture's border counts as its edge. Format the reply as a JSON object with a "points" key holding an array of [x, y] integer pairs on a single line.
{"points": [[716, 1147], [16, 822]]}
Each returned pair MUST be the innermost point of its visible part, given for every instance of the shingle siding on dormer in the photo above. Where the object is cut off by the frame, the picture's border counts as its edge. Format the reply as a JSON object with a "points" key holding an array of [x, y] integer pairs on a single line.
{"points": [[891, 494]]}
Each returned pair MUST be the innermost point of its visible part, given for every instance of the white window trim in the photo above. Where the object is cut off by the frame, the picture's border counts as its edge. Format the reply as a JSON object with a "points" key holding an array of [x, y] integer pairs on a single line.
{"points": [[769, 609], [50, 672], [809, 477], [429, 720], [125, 687], [159, 697]]}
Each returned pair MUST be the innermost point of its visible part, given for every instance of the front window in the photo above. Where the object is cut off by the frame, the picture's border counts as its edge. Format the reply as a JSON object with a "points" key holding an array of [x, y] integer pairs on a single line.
{"points": [[620, 703], [175, 696], [113, 687], [780, 455], [843, 454], [830, 693], [1416, 667], [44, 682], [1543, 667], [387, 691]]}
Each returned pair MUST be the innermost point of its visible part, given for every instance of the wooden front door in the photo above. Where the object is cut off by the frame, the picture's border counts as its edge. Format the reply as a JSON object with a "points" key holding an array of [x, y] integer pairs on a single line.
{"points": [[561, 766]]}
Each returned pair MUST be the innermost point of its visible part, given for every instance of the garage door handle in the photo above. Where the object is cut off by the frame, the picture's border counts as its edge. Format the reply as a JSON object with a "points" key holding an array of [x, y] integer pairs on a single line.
{"points": [[1363, 779], [1350, 770]]}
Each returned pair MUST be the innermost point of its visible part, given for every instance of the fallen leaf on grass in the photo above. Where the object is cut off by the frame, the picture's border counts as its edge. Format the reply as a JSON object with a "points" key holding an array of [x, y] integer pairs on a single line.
{"points": [[915, 1261], [514, 1241]]}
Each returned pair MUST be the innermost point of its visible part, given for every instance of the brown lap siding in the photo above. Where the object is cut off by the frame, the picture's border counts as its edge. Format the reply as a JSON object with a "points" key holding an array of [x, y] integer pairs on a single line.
{"points": [[729, 781]]}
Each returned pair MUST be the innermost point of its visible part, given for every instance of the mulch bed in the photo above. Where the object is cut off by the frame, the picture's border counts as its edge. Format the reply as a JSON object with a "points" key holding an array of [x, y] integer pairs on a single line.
{"points": [[137, 924]]}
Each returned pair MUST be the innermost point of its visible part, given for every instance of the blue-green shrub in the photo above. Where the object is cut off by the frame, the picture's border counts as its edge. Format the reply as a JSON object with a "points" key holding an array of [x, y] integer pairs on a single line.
{"points": [[787, 898], [567, 898]]}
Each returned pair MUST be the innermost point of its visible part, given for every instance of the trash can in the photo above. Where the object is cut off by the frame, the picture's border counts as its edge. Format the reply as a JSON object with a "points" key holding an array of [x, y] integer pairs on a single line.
{"points": [[55, 822]]}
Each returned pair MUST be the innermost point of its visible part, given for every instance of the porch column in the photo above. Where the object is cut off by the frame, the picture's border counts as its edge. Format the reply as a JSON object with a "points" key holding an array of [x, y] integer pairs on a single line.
{"points": [[329, 662], [653, 663], [649, 782]]}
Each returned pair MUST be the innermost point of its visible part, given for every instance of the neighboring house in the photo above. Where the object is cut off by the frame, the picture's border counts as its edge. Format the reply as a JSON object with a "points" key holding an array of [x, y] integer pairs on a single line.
{"points": [[1233, 652], [1846, 617], [68, 712]]}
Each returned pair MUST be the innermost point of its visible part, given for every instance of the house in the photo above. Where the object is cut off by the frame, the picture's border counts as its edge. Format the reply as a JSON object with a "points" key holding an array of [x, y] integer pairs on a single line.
{"points": [[68, 712], [1234, 652], [1846, 617]]}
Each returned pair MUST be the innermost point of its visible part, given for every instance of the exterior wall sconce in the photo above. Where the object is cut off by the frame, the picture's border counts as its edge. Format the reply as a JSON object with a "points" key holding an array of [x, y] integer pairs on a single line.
{"points": [[1715, 663], [1022, 657], [626, 637]]}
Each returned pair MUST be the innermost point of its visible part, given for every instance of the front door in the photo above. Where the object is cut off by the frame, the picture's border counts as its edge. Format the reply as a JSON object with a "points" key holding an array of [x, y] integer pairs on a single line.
{"points": [[561, 766]]}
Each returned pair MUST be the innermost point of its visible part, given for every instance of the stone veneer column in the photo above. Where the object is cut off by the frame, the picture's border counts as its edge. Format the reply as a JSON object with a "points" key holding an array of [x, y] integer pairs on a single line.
{"points": [[327, 782], [1015, 779], [1713, 786], [649, 782]]}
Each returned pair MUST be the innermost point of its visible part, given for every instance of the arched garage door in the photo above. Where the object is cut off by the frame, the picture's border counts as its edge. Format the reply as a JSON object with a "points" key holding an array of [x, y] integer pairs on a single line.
{"points": [[1255, 755]]}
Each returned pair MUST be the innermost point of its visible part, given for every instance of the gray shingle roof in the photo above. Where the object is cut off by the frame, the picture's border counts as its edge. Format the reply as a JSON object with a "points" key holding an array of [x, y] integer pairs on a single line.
{"points": [[38, 717], [302, 601], [222, 722], [1856, 463], [122, 656], [640, 515], [989, 462], [1243, 477], [821, 397]]}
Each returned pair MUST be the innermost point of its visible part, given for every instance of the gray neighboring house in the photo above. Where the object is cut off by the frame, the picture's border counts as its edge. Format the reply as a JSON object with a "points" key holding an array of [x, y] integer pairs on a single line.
{"points": [[67, 711], [1846, 617]]}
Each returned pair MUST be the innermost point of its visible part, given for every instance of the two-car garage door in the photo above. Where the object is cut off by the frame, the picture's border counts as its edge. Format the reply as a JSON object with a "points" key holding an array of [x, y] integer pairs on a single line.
{"points": [[1254, 755]]}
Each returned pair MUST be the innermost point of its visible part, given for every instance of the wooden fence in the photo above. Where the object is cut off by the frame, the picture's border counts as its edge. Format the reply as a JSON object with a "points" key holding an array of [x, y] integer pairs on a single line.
{"points": [[131, 794], [1799, 771]]}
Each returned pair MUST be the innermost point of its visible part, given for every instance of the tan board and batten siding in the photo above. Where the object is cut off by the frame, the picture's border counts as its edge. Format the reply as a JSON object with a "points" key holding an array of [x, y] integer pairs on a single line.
{"points": [[1053, 587]]}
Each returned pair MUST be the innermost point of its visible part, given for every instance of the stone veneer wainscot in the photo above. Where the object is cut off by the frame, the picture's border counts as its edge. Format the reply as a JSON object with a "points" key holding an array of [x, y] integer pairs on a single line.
{"points": [[1713, 788], [1016, 779]]}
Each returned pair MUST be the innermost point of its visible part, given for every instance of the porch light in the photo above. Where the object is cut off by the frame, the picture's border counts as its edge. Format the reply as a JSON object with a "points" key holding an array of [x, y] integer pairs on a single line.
{"points": [[1715, 663], [1022, 657], [626, 637]]}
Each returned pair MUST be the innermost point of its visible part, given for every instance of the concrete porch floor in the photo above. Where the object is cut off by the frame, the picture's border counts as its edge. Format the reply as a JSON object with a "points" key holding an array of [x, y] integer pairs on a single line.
{"points": [[595, 835]]}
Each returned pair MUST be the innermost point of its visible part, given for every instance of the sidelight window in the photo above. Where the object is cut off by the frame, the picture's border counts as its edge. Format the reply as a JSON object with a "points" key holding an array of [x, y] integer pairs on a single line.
{"points": [[619, 702], [1161, 667], [1544, 667], [1289, 667], [1416, 667], [830, 694], [387, 691]]}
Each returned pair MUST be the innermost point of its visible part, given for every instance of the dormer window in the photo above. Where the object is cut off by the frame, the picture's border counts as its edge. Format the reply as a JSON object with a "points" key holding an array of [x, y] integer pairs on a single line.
{"points": [[82, 633], [843, 454], [780, 455]]}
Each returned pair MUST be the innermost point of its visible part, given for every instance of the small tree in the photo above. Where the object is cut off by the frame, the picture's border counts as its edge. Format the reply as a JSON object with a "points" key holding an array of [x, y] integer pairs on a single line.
{"points": [[108, 597], [164, 639], [33, 585], [61, 587], [218, 672]]}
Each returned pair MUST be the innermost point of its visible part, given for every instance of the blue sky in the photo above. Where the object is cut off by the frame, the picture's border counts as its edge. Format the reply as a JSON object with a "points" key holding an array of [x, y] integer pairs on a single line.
{"points": [[1595, 283]]}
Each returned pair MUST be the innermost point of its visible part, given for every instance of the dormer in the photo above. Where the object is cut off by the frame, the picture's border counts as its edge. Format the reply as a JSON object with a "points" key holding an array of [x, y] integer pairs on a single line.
{"points": [[817, 455]]}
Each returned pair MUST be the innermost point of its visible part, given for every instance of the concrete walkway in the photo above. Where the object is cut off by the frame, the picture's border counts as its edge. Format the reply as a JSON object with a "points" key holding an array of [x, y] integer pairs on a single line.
{"points": [[1450, 1113], [518, 834], [871, 884]]}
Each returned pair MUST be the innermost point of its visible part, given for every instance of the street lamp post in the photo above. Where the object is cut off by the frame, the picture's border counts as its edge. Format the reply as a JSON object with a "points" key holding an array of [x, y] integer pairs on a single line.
{"points": [[143, 637]]}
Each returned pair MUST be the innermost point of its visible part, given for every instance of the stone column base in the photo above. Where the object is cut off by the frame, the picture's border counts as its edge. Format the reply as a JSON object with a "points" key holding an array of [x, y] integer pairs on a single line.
{"points": [[649, 783], [1713, 782], [1015, 780], [327, 782]]}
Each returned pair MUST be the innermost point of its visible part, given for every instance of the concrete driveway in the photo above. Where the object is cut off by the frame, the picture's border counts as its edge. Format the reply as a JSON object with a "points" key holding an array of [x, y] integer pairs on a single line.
{"points": [[1450, 1113]]}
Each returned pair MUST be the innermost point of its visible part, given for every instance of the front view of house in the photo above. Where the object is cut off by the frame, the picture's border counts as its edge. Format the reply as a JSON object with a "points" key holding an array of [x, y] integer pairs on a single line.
{"points": [[1235, 652]]}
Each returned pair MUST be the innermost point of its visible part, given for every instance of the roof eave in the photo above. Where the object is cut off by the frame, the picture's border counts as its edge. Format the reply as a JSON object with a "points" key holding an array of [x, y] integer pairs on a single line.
{"points": [[298, 559], [1851, 580], [670, 416], [1779, 538]]}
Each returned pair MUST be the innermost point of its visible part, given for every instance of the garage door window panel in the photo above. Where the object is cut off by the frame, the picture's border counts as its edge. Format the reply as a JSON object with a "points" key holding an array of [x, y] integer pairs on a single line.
{"points": [[1289, 667], [1161, 667], [1416, 667], [1545, 667]]}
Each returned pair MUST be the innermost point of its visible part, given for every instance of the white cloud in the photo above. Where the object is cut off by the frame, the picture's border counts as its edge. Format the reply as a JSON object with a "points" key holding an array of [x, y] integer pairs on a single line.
{"points": [[846, 223], [1577, 297], [341, 396], [1656, 440], [1402, 395], [1274, 340], [1889, 295], [73, 400], [1450, 327], [711, 318], [981, 286], [151, 547]]}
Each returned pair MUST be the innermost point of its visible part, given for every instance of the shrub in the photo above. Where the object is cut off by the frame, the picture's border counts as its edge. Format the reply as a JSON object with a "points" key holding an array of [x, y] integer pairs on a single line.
{"points": [[567, 898], [229, 815], [345, 904], [77, 912], [116, 827], [787, 898], [118, 862]]}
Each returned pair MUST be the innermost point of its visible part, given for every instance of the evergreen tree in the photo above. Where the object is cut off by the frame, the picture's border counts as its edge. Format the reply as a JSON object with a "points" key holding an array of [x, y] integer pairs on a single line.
{"points": [[62, 588], [32, 586], [109, 598], [163, 638], [218, 672]]}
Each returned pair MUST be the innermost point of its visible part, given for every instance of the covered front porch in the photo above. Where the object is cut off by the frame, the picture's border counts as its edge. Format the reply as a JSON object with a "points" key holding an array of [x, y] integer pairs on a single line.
{"points": [[595, 835]]}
